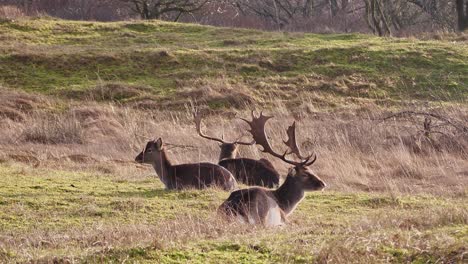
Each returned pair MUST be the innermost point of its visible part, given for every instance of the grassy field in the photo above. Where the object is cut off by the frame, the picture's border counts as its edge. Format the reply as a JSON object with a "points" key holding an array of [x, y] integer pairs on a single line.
{"points": [[79, 100], [49, 215]]}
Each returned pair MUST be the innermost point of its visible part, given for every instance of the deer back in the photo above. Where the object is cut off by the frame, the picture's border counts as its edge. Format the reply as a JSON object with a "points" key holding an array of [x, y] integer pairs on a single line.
{"points": [[252, 172], [201, 175]]}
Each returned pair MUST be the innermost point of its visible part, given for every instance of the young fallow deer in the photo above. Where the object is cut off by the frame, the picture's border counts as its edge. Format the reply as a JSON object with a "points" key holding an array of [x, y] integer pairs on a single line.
{"points": [[258, 205], [183, 176], [248, 171]]}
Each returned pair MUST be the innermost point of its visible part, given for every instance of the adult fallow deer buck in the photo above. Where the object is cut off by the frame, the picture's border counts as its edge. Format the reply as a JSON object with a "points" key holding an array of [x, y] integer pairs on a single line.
{"points": [[258, 205], [248, 171], [183, 176]]}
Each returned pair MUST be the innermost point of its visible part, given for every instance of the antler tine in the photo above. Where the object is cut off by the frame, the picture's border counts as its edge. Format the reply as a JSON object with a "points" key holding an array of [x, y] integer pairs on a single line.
{"points": [[292, 141], [307, 162], [244, 143], [257, 129], [294, 149], [198, 118]]}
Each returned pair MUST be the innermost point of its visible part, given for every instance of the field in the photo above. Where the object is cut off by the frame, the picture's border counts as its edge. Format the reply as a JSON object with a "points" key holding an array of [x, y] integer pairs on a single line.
{"points": [[79, 100]]}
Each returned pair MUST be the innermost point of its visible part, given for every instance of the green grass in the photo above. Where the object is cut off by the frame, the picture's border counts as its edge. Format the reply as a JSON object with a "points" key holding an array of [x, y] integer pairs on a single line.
{"points": [[91, 217], [47, 55]]}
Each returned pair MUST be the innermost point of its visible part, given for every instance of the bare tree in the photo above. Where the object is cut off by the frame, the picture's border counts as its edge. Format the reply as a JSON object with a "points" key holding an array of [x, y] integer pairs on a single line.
{"points": [[384, 17], [156, 9], [462, 12], [381, 17], [376, 18], [280, 12], [336, 6], [440, 12]]}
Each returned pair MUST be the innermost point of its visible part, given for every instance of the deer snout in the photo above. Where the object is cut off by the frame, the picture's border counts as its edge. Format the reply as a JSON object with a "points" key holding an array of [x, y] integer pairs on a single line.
{"points": [[322, 185], [139, 158]]}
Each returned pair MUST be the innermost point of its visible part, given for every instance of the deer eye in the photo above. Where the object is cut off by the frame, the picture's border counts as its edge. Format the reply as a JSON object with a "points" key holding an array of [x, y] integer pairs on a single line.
{"points": [[149, 151]]}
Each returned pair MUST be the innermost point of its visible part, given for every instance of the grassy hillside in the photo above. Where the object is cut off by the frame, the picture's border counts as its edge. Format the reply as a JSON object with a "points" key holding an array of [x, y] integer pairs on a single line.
{"points": [[226, 67]]}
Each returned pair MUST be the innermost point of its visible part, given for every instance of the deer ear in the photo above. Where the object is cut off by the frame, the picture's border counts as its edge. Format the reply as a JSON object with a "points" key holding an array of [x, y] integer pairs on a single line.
{"points": [[159, 143]]}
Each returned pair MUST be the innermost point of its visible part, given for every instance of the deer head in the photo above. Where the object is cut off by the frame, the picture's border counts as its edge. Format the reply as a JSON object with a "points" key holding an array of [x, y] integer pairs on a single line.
{"points": [[148, 155], [228, 149], [301, 171]]}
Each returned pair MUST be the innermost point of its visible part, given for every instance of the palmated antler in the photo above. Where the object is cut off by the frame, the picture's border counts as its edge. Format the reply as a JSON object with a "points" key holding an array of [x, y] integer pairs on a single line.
{"points": [[292, 142], [198, 118], [257, 129]]}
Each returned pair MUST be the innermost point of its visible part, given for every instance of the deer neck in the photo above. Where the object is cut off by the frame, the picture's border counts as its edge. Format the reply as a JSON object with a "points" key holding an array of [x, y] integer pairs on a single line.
{"points": [[227, 152], [162, 166], [289, 194]]}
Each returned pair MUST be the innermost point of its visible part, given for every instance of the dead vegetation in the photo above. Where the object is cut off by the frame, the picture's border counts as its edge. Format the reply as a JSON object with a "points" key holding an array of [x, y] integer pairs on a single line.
{"points": [[217, 93], [99, 241], [11, 12], [52, 129], [357, 150], [444, 134], [440, 35], [108, 92], [17, 105]]}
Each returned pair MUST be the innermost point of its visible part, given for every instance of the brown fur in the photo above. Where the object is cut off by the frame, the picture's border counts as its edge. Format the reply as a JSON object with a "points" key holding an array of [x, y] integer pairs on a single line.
{"points": [[258, 205], [193, 175], [248, 171], [251, 172]]}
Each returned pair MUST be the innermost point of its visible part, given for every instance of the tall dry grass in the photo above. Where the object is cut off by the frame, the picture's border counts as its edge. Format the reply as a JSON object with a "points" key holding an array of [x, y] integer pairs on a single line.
{"points": [[11, 12], [356, 150]]}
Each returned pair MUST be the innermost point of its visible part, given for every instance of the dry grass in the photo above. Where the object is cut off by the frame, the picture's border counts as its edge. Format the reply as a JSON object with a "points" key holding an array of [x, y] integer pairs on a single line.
{"points": [[52, 129], [357, 151], [450, 36], [11, 12], [17, 105], [102, 239]]}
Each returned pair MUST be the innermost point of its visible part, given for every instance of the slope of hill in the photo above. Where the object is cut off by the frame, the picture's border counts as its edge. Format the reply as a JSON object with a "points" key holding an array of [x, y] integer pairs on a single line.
{"points": [[170, 62]]}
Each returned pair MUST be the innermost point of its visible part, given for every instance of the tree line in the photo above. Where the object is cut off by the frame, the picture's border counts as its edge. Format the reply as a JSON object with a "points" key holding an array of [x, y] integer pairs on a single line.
{"points": [[381, 17]]}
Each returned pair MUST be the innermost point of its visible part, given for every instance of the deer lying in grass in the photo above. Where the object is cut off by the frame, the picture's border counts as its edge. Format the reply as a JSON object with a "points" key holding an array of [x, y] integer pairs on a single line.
{"points": [[183, 176], [258, 205], [248, 171]]}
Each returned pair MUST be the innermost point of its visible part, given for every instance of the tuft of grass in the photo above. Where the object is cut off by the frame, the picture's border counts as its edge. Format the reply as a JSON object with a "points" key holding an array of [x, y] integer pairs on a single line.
{"points": [[53, 130]]}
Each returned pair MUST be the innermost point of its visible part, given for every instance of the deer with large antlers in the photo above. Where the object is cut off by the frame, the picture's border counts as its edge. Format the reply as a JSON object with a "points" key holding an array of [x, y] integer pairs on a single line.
{"points": [[258, 205], [248, 171], [183, 176]]}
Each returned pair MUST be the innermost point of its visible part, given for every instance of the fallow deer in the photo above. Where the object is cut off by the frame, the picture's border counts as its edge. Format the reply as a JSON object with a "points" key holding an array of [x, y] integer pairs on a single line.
{"points": [[257, 205], [248, 171], [183, 176]]}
